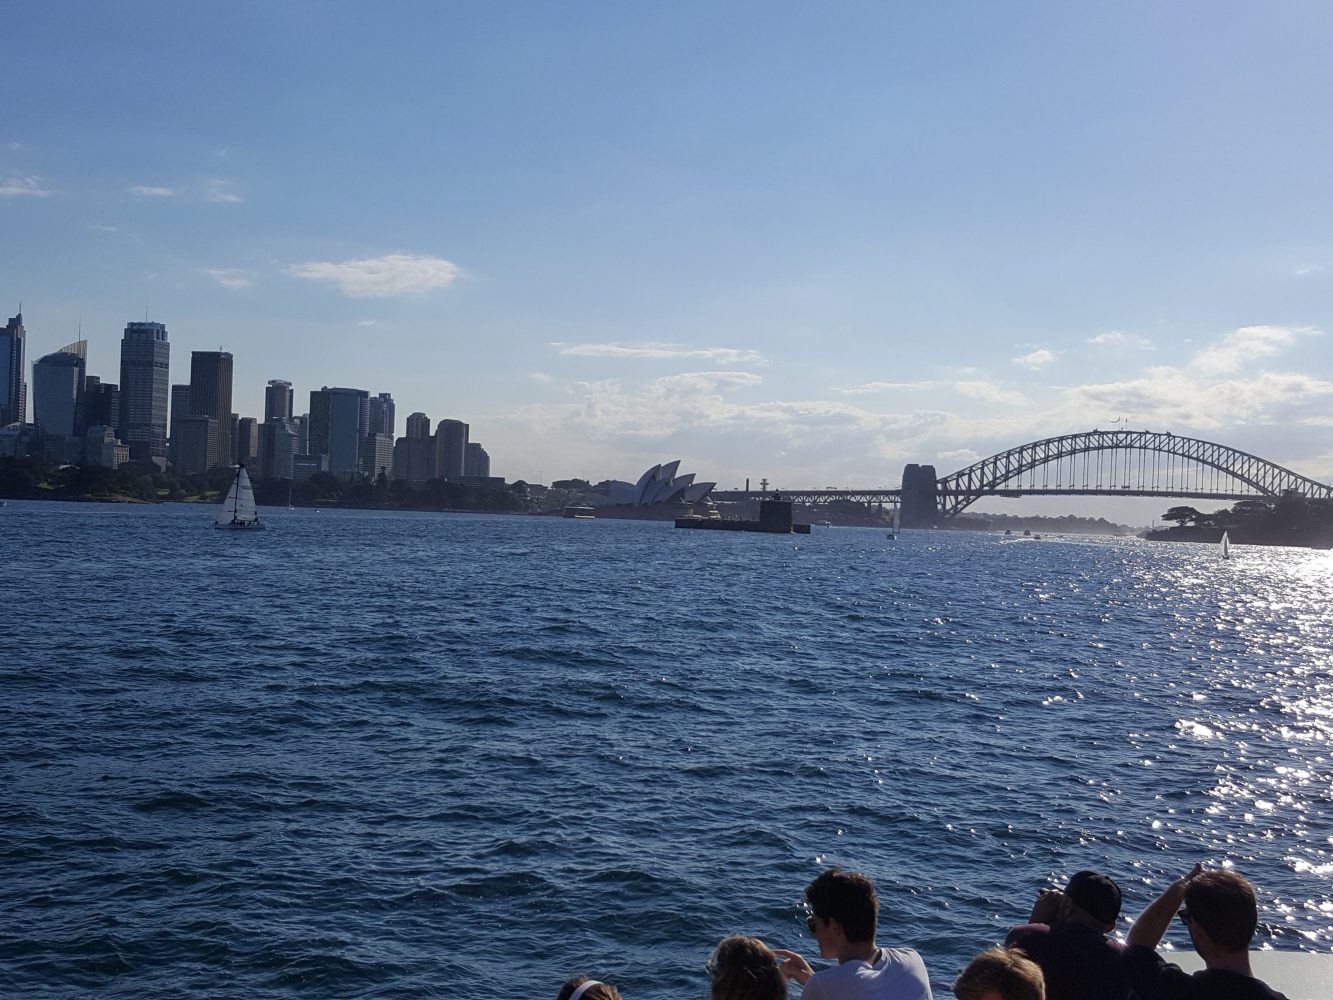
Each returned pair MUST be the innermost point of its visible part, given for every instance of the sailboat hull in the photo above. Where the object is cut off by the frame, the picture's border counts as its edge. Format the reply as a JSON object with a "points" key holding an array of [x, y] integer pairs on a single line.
{"points": [[241, 526]]}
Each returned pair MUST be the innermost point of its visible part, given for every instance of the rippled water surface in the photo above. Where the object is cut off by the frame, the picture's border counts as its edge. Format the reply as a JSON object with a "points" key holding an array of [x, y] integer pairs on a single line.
{"points": [[414, 755]]}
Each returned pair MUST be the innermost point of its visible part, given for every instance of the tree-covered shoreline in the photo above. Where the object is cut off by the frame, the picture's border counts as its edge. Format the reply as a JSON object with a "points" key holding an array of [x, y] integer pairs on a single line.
{"points": [[138, 482], [1291, 519]]}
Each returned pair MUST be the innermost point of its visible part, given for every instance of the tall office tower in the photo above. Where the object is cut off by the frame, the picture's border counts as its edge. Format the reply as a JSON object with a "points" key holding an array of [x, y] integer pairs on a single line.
{"points": [[145, 361], [277, 400], [278, 442], [475, 461], [233, 430], [195, 447], [450, 448], [377, 456], [418, 426], [339, 422], [57, 391], [180, 407], [303, 434], [13, 388], [210, 396], [247, 441], [381, 415], [101, 401]]}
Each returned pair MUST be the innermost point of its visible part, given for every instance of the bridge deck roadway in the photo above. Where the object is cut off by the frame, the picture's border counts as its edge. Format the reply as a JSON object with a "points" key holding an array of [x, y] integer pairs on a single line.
{"points": [[895, 496]]}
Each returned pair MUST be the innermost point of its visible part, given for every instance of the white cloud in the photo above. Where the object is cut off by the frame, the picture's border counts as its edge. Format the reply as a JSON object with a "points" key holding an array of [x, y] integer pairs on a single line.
{"points": [[381, 277], [721, 355], [1247, 344], [222, 192], [103, 229], [989, 392], [1039, 358], [869, 387], [16, 147], [957, 458], [23, 187], [1117, 338], [150, 191], [541, 378], [229, 278]]}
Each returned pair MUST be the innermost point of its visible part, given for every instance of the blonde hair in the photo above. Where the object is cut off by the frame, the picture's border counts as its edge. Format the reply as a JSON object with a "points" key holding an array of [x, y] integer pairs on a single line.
{"points": [[1006, 971]]}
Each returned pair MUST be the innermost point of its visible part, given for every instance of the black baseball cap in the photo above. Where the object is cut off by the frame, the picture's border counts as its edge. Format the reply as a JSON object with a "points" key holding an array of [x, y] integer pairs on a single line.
{"points": [[1097, 895]]}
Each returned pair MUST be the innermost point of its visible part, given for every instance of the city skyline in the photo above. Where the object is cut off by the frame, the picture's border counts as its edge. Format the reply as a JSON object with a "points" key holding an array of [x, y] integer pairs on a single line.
{"points": [[775, 242]]}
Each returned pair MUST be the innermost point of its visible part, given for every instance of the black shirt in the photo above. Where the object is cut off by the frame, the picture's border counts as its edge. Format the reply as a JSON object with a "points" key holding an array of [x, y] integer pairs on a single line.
{"points": [[1156, 979]]}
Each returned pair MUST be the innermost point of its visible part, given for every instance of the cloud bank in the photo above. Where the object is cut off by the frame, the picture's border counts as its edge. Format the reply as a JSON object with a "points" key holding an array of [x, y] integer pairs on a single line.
{"points": [[381, 277], [721, 355]]}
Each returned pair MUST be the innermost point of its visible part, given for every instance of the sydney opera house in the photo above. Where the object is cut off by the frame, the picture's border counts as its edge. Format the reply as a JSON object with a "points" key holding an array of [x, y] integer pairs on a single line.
{"points": [[659, 488]]}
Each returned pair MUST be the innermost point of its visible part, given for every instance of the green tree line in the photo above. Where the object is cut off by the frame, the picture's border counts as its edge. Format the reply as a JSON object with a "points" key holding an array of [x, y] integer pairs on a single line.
{"points": [[37, 479]]}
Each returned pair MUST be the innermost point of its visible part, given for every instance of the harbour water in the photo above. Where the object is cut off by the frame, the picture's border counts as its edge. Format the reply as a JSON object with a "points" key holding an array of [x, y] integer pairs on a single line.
{"points": [[413, 755]]}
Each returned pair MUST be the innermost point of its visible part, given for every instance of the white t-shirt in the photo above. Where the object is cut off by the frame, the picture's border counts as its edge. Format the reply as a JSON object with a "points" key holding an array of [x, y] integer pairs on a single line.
{"points": [[895, 974]]}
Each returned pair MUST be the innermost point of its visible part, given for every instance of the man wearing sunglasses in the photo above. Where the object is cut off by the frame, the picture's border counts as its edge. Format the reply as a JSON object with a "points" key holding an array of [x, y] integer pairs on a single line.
{"points": [[843, 912], [1221, 915]]}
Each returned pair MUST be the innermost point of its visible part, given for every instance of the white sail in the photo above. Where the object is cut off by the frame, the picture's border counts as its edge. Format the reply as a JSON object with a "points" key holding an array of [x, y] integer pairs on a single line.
{"points": [[238, 509], [896, 512], [1226, 545]]}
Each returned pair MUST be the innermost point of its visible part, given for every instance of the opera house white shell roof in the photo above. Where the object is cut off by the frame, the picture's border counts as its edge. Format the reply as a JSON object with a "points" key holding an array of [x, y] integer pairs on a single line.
{"points": [[658, 485]]}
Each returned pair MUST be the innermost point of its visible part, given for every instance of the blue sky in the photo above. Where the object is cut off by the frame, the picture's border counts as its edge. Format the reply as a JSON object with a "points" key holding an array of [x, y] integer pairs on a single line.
{"points": [[807, 243]]}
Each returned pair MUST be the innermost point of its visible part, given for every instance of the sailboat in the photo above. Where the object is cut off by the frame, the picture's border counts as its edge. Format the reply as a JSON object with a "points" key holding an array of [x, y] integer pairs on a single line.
{"points": [[897, 511], [1226, 545], [238, 509]]}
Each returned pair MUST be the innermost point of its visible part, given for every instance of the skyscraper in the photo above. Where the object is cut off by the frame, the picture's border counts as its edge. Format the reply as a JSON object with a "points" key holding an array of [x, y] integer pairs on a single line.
{"points": [[339, 422], [277, 400], [101, 401], [381, 415], [57, 391], [180, 408], [210, 396], [13, 387], [418, 426], [475, 461], [450, 448], [145, 360]]}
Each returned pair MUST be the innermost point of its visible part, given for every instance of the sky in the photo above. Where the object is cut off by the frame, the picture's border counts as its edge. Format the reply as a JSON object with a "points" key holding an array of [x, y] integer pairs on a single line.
{"points": [[808, 243]]}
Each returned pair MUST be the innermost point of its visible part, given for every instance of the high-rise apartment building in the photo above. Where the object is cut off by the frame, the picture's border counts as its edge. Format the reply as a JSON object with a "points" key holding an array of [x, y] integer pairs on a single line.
{"points": [[475, 461], [13, 386], [339, 422], [381, 415], [145, 361], [450, 448], [418, 426], [57, 391], [277, 400], [278, 443], [180, 407], [101, 403], [247, 441], [210, 396]]}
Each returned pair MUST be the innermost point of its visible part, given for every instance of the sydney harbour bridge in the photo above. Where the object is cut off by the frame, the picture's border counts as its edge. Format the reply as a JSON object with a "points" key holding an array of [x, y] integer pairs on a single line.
{"points": [[1121, 463]]}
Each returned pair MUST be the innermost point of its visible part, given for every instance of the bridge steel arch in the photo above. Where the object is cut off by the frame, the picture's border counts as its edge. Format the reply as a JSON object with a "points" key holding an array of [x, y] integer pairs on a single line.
{"points": [[989, 476]]}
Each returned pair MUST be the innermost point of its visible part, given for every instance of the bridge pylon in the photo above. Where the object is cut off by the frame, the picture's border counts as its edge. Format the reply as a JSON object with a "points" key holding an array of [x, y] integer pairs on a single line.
{"points": [[920, 497]]}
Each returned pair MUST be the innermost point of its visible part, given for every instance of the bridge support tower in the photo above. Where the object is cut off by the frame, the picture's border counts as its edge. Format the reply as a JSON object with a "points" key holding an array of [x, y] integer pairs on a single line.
{"points": [[920, 500]]}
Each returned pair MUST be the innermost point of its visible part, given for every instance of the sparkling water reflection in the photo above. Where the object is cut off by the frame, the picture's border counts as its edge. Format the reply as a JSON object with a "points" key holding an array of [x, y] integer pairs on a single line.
{"points": [[414, 755]]}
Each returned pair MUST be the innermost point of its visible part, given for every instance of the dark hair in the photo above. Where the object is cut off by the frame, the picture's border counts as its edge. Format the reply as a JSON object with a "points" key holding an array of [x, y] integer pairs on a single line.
{"points": [[1096, 895], [847, 897], [602, 991], [1223, 904], [1006, 971], [742, 968]]}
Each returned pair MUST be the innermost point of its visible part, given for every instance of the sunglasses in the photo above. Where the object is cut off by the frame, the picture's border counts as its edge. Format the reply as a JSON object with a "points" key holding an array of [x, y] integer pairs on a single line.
{"points": [[810, 922]]}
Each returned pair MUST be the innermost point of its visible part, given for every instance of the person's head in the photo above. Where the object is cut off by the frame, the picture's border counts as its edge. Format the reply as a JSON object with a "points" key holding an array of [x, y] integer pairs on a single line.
{"points": [[583, 988], [1095, 897], [743, 968], [1221, 905], [1000, 974], [844, 899]]}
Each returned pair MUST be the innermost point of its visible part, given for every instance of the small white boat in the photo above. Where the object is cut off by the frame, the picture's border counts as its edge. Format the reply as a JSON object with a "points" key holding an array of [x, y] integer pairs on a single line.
{"points": [[897, 513], [1226, 545], [238, 509]]}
